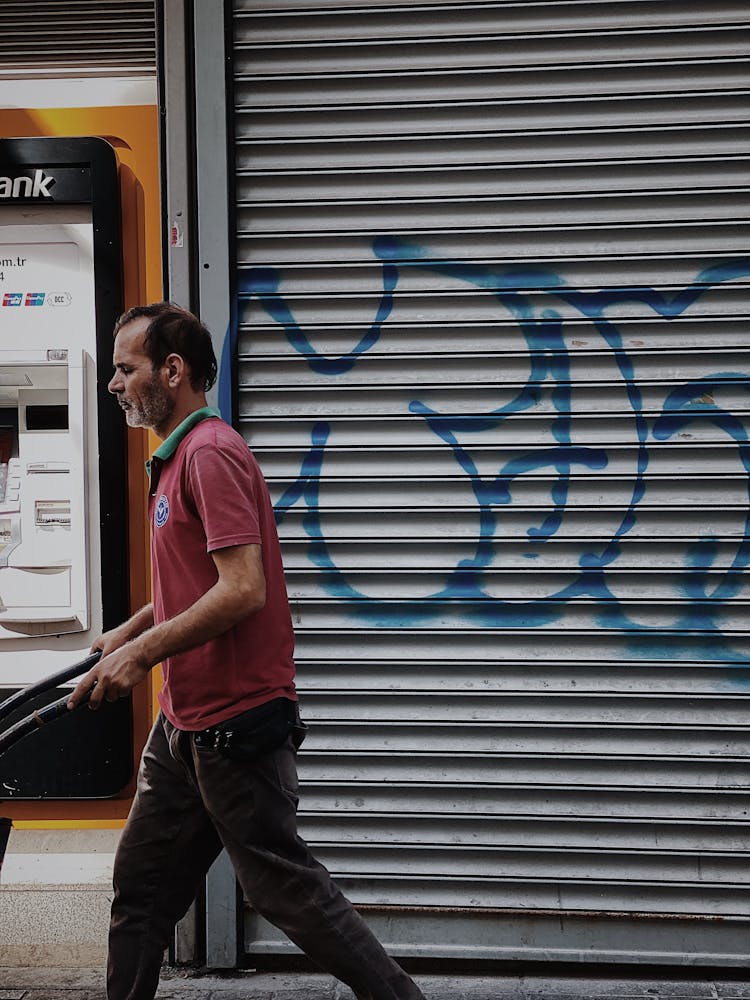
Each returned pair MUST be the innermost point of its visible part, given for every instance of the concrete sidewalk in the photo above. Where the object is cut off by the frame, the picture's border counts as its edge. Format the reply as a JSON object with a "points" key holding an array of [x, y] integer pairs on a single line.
{"points": [[85, 984]]}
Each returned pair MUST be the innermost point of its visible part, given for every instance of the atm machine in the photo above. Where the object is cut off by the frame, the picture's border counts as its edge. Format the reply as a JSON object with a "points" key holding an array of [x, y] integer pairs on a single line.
{"points": [[63, 474]]}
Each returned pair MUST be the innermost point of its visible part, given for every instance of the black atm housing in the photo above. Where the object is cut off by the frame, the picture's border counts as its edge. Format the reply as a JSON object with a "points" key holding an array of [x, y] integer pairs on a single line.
{"points": [[88, 755]]}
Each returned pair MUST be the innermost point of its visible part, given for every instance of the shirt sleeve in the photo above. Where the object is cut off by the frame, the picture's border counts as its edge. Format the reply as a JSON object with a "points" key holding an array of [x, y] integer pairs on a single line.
{"points": [[222, 486]]}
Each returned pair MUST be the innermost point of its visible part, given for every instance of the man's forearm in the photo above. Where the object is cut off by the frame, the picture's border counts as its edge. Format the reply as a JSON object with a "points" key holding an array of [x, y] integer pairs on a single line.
{"points": [[133, 648], [125, 632], [138, 623], [211, 615]]}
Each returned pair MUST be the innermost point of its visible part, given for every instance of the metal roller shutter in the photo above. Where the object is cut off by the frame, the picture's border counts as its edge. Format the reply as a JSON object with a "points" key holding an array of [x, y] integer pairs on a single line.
{"points": [[493, 278], [78, 37]]}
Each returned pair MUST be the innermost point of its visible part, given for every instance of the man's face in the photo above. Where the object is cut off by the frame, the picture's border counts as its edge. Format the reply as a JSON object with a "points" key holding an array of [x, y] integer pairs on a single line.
{"points": [[141, 392]]}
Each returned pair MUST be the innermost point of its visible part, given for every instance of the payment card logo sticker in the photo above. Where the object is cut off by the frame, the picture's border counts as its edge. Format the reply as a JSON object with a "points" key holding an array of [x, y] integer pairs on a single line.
{"points": [[59, 298], [34, 299], [12, 298], [162, 511]]}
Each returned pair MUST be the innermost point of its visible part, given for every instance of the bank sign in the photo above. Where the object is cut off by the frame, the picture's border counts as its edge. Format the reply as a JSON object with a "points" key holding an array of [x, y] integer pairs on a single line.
{"points": [[46, 185]]}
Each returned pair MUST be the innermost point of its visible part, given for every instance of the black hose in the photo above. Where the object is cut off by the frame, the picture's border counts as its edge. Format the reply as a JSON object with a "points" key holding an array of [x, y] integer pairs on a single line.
{"points": [[47, 684], [49, 713], [41, 717]]}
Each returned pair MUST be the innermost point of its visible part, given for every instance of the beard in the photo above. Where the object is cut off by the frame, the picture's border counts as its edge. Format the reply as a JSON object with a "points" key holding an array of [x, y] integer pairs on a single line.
{"points": [[153, 408]]}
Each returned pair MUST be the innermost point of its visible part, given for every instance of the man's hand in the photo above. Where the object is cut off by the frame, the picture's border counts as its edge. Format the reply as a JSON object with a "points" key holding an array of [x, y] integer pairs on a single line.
{"points": [[114, 676], [122, 665]]}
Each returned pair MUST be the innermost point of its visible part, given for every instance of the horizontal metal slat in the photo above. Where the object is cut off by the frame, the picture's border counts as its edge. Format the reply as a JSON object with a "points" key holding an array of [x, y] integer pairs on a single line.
{"points": [[553, 622], [610, 365], [545, 602], [87, 56], [463, 302], [515, 738], [533, 424], [583, 431], [551, 619], [495, 467], [637, 335], [85, 27], [532, 148], [535, 261], [357, 401], [710, 900], [566, 866], [63, 15], [546, 935], [658, 710], [500, 674], [652, 527], [335, 350], [288, 186], [416, 258], [626, 600], [550, 771], [519, 556], [702, 398], [615, 10], [484, 642], [616, 268], [615, 493], [494, 401], [268, 23], [510, 212], [665, 75], [453, 118], [635, 835], [492, 49], [38, 8], [415, 799]]}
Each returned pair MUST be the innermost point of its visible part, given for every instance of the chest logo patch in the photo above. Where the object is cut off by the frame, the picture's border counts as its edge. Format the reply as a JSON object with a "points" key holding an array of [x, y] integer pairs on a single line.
{"points": [[161, 515]]}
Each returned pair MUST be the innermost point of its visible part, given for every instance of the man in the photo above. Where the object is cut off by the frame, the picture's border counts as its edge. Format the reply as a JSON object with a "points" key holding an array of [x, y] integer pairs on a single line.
{"points": [[219, 769]]}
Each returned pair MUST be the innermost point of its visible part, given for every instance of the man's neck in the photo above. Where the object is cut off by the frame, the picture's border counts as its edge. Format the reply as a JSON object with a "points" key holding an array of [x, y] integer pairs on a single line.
{"points": [[181, 411]]}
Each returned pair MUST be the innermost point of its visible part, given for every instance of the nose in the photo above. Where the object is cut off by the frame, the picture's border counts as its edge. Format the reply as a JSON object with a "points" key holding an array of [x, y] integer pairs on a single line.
{"points": [[115, 383]]}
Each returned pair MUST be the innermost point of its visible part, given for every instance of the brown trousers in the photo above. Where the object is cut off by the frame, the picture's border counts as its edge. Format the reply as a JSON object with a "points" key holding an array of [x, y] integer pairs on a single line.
{"points": [[189, 804]]}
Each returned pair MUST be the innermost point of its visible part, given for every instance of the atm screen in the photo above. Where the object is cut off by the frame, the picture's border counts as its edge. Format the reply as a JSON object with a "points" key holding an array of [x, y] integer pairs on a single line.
{"points": [[46, 418]]}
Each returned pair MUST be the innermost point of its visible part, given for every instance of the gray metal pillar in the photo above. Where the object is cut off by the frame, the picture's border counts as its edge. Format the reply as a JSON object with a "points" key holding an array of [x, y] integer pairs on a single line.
{"points": [[175, 44], [212, 187], [197, 260], [212, 212], [222, 919]]}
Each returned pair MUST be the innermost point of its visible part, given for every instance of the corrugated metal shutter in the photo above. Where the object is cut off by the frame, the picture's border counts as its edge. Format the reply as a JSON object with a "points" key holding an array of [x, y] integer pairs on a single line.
{"points": [[493, 276], [78, 37]]}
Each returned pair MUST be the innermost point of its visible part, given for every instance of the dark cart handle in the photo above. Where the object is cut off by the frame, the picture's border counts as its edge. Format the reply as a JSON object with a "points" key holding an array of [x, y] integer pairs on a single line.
{"points": [[46, 684], [50, 712]]}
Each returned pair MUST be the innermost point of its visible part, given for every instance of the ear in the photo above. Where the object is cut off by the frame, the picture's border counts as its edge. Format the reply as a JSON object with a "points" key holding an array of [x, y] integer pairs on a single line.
{"points": [[176, 369]]}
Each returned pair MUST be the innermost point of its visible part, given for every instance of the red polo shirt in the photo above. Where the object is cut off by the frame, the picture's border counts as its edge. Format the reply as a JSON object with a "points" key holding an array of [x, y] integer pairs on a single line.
{"points": [[207, 493]]}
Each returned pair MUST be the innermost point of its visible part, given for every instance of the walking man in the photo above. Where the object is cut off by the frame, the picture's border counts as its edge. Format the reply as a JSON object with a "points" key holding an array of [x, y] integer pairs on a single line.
{"points": [[219, 768]]}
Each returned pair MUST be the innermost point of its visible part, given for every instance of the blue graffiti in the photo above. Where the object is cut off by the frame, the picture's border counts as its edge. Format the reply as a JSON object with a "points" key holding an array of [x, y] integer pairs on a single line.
{"points": [[516, 290], [263, 282]]}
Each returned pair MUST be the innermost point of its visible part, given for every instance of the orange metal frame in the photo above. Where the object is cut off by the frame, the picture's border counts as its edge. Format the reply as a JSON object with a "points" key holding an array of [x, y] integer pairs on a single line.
{"points": [[134, 133]]}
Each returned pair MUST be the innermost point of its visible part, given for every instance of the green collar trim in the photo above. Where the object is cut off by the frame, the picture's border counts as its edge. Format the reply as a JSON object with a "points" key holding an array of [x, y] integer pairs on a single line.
{"points": [[168, 447]]}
